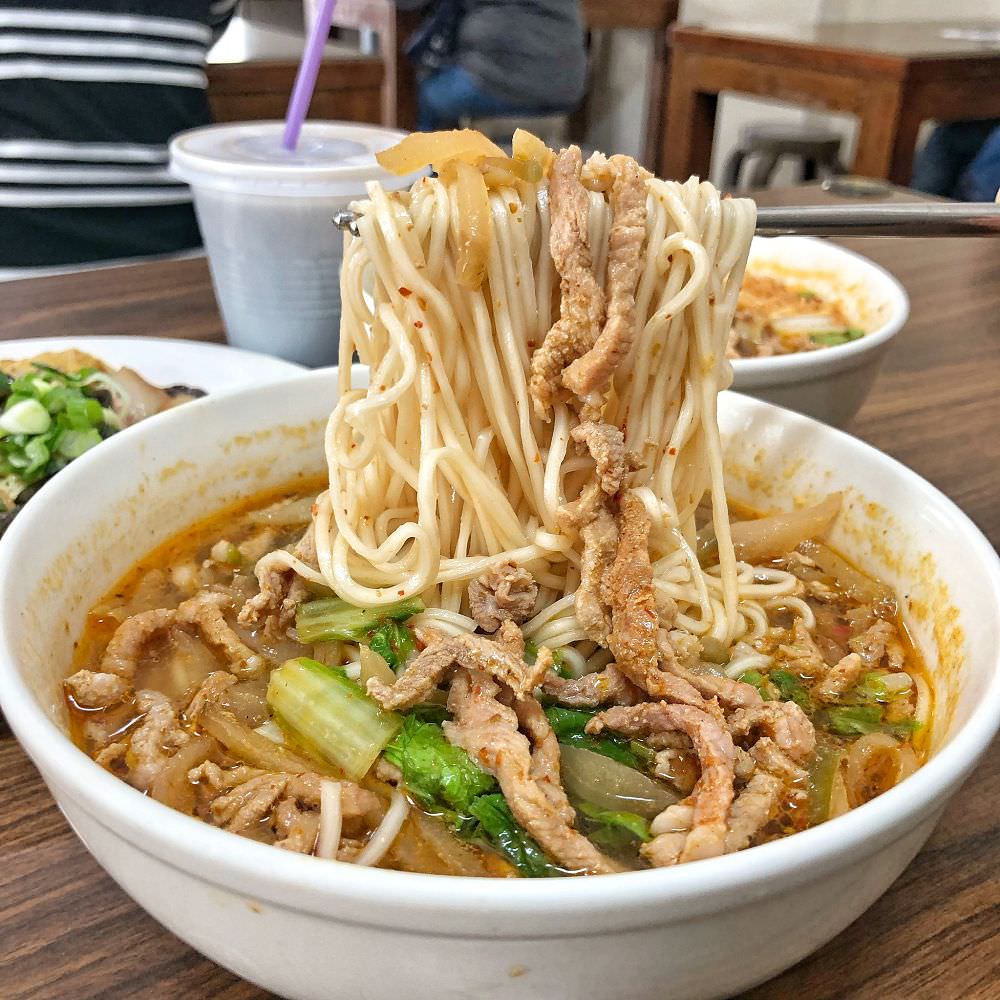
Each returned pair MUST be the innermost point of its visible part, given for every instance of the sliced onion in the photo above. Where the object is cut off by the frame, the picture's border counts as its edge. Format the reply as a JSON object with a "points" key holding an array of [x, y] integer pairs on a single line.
{"points": [[457, 858], [776, 534], [859, 759], [285, 514], [381, 840], [374, 665], [862, 588], [608, 784], [171, 785], [331, 818], [251, 747]]}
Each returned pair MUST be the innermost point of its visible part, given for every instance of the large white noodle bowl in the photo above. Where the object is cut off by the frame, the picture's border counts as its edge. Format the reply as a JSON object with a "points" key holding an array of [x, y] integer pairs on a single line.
{"points": [[307, 928]]}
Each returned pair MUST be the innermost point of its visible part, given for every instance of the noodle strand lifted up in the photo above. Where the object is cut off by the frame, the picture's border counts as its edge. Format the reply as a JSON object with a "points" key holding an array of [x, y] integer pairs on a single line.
{"points": [[460, 453]]}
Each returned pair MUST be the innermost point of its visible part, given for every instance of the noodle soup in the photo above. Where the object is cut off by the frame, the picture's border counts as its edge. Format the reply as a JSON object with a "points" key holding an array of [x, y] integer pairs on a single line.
{"points": [[518, 630], [870, 733]]}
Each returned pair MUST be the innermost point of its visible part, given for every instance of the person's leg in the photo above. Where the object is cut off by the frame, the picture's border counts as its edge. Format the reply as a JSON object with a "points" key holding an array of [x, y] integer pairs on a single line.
{"points": [[981, 180], [946, 155], [452, 94]]}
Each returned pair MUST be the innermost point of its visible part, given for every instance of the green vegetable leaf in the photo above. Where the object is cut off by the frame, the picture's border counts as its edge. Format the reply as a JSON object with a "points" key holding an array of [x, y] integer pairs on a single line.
{"points": [[503, 832], [394, 642], [854, 720], [569, 724], [808, 295], [834, 338], [332, 618], [791, 688], [436, 773], [611, 829]]}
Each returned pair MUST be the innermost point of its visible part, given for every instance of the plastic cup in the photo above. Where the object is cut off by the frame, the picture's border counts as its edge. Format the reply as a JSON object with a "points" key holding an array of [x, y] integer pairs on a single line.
{"points": [[266, 219]]}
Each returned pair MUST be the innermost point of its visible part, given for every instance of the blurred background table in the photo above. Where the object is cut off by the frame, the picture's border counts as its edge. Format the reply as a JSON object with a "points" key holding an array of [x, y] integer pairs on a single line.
{"points": [[892, 76], [69, 933]]}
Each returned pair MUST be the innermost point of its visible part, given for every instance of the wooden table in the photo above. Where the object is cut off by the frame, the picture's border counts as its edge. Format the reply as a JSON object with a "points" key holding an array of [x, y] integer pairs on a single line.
{"points": [[69, 933], [399, 90], [891, 76]]}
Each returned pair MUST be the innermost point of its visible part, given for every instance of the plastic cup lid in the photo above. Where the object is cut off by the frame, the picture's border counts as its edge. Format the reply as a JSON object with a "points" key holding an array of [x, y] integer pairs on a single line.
{"points": [[333, 159]]}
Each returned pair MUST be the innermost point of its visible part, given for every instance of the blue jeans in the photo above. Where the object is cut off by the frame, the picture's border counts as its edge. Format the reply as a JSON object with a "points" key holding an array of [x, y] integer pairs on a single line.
{"points": [[452, 94], [960, 160]]}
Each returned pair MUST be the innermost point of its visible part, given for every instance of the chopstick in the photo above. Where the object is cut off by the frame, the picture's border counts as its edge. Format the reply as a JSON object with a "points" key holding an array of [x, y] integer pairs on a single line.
{"points": [[908, 219]]}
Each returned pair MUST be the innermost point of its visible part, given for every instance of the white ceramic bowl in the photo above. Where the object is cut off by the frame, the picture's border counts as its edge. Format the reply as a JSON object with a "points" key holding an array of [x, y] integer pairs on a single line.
{"points": [[830, 384], [316, 929]]}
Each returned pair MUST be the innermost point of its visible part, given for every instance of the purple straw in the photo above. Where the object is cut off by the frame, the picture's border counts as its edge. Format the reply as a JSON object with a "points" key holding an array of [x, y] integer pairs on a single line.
{"points": [[305, 79]]}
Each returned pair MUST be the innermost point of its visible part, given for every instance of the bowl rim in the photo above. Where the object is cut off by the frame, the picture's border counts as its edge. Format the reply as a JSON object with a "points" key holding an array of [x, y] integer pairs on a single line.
{"points": [[390, 898], [798, 365]]}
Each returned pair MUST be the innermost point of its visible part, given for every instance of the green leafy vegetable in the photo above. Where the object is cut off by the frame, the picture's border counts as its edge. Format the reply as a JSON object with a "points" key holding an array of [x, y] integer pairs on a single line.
{"points": [[876, 686], [808, 295], [394, 642], [331, 715], [332, 618], [611, 829], [435, 772], [444, 778], [791, 688], [834, 338], [559, 663], [825, 765], [569, 723], [502, 831]]}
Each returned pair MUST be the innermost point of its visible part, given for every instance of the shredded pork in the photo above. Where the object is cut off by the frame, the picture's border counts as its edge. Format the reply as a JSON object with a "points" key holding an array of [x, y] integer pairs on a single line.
{"points": [[503, 593]]}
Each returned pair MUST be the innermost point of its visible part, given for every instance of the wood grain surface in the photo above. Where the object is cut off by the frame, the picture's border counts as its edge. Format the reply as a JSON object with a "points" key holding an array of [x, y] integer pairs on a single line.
{"points": [[68, 932]]}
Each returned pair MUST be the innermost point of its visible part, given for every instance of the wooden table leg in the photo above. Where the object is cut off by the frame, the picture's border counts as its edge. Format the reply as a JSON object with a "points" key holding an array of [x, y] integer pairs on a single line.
{"points": [[686, 140], [659, 74], [911, 116]]}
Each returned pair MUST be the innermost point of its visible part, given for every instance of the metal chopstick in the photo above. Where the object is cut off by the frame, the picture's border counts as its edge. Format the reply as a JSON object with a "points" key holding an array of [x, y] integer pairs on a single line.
{"points": [[906, 219]]}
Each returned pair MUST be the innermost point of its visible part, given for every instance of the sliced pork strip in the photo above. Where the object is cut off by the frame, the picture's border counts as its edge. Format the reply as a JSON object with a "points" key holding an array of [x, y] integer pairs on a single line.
{"points": [[98, 688], [210, 692], [245, 805], [729, 692], [591, 517], [606, 445], [753, 809], [871, 645], [604, 687], [154, 739], [281, 591], [545, 760], [840, 678], [204, 612], [713, 793], [589, 376], [581, 303], [476, 652], [783, 721], [503, 593], [93, 689], [296, 828], [802, 655], [768, 756], [488, 731], [635, 631]]}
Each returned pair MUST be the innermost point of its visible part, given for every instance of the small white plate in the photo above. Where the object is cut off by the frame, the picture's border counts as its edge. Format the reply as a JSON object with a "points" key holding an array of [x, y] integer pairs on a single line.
{"points": [[166, 362]]}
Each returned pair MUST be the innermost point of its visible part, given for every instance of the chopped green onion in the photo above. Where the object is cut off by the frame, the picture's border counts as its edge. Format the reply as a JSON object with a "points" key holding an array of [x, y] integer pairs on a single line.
{"points": [[332, 618], [74, 443], [330, 715], [758, 680], [26, 416], [791, 688], [834, 338], [825, 764]]}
